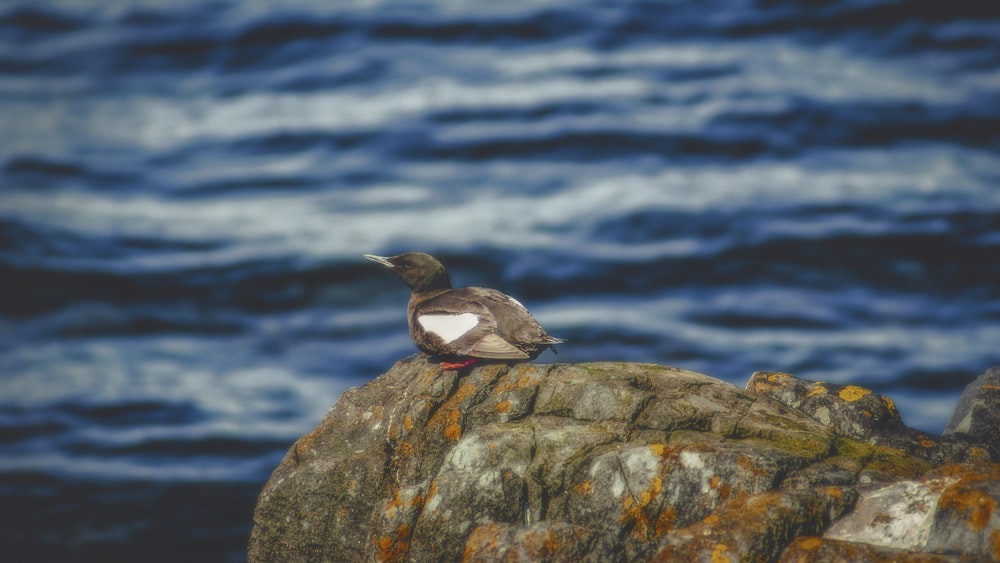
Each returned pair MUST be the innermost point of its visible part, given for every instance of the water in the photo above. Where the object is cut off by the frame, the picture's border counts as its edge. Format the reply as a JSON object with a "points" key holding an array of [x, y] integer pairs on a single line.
{"points": [[186, 189]]}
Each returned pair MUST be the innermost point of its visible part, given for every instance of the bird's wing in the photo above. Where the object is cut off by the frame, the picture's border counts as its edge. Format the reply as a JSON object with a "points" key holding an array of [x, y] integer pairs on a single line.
{"points": [[460, 324], [493, 347], [518, 325], [452, 324]]}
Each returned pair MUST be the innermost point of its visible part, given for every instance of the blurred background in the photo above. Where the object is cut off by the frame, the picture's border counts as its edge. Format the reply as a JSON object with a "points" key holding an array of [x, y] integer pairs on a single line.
{"points": [[187, 186]]}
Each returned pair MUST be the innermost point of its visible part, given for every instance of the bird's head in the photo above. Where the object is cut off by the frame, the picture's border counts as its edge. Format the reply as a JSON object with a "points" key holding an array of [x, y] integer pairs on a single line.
{"points": [[422, 272]]}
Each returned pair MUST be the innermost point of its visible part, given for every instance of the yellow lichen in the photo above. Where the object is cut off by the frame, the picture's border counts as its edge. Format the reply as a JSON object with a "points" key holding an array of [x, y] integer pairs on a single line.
{"points": [[720, 554], [817, 389], [889, 405], [851, 393]]}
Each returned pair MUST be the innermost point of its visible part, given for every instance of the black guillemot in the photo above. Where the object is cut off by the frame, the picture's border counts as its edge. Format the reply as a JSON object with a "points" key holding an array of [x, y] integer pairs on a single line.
{"points": [[464, 324]]}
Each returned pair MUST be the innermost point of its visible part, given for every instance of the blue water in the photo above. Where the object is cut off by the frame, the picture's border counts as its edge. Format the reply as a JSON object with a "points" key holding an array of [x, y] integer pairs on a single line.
{"points": [[186, 188]]}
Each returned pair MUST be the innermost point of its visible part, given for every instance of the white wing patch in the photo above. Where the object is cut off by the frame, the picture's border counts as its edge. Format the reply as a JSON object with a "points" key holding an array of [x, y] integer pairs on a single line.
{"points": [[449, 328]]}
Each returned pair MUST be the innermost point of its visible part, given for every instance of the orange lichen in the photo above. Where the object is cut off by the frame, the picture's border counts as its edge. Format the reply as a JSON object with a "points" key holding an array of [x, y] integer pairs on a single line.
{"points": [[665, 521], [658, 449], [308, 442], [976, 506], [552, 543], [453, 403], [768, 382], [635, 515], [851, 393], [503, 406], [417, 501], [453, 432], [810, 543], [995, 545], [431, 492], [834, 492], [636, 508], [583, 487], [408, 423], [450, 414], [453, 429], [393, 505], [744, 462], [654, 489], [508, 385], [404, 449], [394, 548], [482, 541], [926, 442], [725, 491], [541, 545]]}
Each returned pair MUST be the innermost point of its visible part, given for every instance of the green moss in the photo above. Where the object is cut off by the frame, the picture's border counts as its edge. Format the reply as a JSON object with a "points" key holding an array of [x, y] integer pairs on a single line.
{"points": [[802, 444], [881, 458], [693, 437]]}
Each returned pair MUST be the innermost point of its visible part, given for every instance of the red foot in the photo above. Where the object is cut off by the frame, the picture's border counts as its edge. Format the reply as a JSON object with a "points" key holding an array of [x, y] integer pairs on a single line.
{"points": [[449, 366]]}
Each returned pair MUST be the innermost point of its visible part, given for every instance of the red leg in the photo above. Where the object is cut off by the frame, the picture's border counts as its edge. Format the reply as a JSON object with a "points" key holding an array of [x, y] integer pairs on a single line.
{"points": [[450, 366]]}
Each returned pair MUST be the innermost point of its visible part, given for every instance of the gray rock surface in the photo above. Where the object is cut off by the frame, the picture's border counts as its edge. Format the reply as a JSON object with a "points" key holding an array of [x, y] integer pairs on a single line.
{"points": [[977, 415], [608, 462]]}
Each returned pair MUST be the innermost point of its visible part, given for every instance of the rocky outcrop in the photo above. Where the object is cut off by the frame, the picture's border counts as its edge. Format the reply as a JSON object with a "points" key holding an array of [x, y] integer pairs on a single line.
{"points": [[977, 415], [621, 462]]}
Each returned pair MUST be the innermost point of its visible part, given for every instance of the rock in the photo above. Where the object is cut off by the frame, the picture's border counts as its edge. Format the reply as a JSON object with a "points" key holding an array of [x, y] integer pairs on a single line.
{"points": [[806, 549], [600, 462], [541, 541], [856, 412], [756, 527], [977, 415], [952, 509]]}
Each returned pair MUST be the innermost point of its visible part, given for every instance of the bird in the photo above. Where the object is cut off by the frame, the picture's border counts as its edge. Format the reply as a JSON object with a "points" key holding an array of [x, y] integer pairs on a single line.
{"points": [[465, 325]]}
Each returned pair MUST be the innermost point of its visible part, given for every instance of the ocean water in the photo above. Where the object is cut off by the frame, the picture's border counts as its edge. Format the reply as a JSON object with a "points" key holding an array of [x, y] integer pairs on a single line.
{"points": [[186, 189]]}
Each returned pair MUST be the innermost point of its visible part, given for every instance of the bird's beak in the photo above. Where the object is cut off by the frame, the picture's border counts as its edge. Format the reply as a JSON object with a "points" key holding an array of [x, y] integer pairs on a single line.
{"points": [[380, 260]]}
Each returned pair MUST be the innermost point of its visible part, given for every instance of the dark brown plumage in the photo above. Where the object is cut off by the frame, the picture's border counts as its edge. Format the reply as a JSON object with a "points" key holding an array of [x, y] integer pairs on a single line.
{"points": [[464, 324]]}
